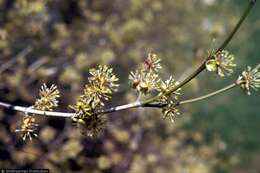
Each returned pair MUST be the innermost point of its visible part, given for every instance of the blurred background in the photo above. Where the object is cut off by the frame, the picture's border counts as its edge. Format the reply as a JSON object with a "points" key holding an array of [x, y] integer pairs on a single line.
{"points": [[58, 41]]}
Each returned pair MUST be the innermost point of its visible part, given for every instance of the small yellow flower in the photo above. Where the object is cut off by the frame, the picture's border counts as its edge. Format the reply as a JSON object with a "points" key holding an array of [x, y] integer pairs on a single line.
{"points": [[146, 78], [83, 108], [28, 127], [104, 76], [164, 88], [102, 84], [135, 79], [152, 63], [91, 126], [170, 111], [250, 78], [144, 82], [221, 63], [48, 98]]}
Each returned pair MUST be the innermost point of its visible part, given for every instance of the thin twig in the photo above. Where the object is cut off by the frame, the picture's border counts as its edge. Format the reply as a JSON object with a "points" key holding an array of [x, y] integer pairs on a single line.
{"points": [[207, 95], [159, 105], [8, 64]]}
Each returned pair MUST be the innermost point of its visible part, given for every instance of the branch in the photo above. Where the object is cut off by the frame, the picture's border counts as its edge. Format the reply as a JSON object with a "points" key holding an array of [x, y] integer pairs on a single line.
{"points": [[118, 108], [208, 95], [65, 114], [147, 103], [241, 20], [233, 85], [34, 111], [221, 47]]}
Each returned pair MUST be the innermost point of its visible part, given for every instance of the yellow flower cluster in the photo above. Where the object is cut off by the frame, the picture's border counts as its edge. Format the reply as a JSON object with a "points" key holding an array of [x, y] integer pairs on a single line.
{"points": [[46, 102], [102, 83], [146, 79], [48, 98], [170, 111], [250, 78], [221, 63], [28, 127], [164, 89]]}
